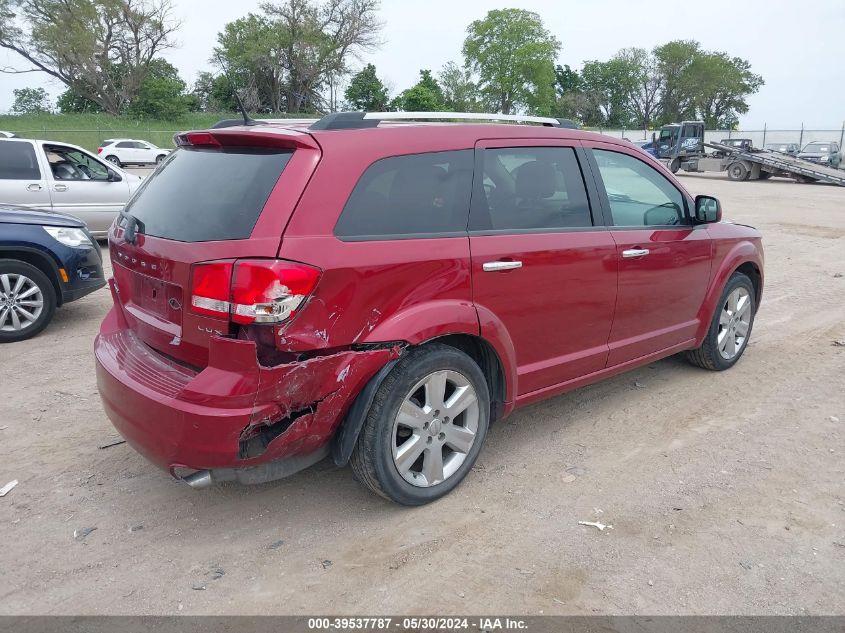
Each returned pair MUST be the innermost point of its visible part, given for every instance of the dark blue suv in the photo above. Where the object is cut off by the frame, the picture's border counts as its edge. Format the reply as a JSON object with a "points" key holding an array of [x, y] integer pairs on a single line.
{"points": [[46, 260]]}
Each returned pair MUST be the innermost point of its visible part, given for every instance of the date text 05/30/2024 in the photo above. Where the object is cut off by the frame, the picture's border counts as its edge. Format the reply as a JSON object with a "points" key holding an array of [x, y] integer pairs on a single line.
{"points": [[483, 625]]}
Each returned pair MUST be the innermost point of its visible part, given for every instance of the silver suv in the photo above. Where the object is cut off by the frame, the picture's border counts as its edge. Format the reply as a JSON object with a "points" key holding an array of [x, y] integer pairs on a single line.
{"points": [[65, 178]]}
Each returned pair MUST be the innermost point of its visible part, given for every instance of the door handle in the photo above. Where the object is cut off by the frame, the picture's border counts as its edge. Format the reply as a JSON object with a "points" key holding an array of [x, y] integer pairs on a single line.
{"points": [[635, 252], [33, 187], [491, 267], [59, 187]]}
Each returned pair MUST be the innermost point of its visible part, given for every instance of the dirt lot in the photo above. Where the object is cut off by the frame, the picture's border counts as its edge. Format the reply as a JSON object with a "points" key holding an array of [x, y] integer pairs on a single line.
{"points": [[726, 492]]}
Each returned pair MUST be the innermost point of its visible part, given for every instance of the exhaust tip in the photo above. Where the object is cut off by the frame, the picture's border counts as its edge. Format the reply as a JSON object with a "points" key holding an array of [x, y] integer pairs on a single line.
{"points": [[199, 479]]}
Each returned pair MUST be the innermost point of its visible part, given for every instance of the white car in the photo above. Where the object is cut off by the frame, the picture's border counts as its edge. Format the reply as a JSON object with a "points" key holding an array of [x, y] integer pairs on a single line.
{"points": [[7, 134], [64, 178], [128, 151]]}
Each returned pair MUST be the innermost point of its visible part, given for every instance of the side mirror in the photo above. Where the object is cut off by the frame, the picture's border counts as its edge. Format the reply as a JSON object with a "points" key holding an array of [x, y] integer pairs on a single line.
{"points": [[707, 210], [114, 176]]}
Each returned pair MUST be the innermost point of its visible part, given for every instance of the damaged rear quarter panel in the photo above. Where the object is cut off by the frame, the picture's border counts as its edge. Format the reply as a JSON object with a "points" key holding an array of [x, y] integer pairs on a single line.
{"points": [[323, 388]]}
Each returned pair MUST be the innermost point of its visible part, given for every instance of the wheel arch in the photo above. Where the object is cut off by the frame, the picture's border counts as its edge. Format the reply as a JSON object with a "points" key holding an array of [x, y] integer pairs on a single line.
{"points": [[485, 356], [38, 258], [744, 258]]}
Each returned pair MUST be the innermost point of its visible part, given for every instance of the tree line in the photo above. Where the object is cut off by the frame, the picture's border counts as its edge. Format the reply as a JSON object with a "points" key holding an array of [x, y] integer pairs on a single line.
{"points": [[297, 56]]}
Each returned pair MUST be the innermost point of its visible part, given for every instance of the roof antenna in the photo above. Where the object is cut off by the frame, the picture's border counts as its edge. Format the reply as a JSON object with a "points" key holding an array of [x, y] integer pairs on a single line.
{"points": [[247, 120]]}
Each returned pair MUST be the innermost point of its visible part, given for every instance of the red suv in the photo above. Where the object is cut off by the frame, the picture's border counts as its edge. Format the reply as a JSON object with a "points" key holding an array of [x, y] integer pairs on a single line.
{"points": [[384, 292]]}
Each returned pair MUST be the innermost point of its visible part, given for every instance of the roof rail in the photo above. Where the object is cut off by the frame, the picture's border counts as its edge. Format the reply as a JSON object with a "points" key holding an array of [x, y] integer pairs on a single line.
{"points": [[361, 120]]}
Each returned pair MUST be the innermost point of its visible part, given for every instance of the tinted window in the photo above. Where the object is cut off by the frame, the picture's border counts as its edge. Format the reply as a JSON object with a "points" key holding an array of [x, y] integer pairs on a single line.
{"points": [[528, 188], [418, 194], [18, 161], [638, 194], [200, 195], [126, 144]]}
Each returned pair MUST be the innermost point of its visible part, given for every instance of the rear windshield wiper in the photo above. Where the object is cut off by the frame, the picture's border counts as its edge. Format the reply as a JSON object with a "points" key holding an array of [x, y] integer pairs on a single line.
{"points": [[131, 227]]}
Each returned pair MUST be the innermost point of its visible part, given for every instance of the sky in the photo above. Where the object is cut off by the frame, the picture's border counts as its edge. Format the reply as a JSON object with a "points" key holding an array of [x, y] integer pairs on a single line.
{"points": [[796, 47]]}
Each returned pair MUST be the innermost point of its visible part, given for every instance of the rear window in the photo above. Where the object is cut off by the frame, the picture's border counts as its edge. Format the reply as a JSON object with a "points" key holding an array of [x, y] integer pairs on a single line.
{"points": [[18, 162], [417, 195], [202, 195]]}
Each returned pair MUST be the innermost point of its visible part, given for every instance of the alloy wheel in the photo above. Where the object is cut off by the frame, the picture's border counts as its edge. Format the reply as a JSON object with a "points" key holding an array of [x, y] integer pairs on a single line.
{"points": [[435, 428], [21, 302], [734, 323]]}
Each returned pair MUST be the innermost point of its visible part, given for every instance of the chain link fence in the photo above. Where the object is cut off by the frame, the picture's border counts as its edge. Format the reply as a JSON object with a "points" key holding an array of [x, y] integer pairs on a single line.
{"points": [[759, 138]]}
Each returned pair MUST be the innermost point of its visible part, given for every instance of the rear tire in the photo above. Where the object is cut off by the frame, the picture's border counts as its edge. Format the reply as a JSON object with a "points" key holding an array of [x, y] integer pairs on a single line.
{"points": [[114, 160], [27, 301], [730, 327], [418, 432], [160, 158], [765, 175], [738, 172]]}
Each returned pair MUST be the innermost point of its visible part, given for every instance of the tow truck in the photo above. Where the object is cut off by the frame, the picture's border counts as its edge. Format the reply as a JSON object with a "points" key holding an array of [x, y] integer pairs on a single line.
{"points": [[681, 146]]}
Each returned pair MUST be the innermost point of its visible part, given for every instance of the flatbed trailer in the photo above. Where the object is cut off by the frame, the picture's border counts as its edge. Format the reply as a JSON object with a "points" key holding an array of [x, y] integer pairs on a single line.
{"points": [[759, 164]]}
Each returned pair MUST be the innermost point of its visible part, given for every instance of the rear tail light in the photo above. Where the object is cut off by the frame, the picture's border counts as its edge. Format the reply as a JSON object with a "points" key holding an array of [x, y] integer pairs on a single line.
{"points": [[210, 289], [99, 150], [251, 291]]}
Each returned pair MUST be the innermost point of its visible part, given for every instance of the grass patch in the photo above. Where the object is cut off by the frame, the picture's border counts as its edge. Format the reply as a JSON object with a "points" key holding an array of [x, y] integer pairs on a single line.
{"points": [[89, 130]]}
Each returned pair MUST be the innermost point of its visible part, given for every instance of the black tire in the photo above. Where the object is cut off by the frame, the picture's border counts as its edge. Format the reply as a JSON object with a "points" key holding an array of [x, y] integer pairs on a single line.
{"points": [[707, 356], [48, 293], [114, 160], [372, 459], [675, 165], [160, 158], [765, 175], [738, 172]]}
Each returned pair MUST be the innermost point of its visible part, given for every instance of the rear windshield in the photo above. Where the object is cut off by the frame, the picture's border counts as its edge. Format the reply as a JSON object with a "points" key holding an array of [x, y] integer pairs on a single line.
{"points": [[202, 195]]}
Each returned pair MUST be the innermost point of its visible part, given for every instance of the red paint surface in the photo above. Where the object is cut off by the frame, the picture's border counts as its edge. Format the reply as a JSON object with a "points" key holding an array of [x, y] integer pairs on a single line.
{"points": [[182, 392]]}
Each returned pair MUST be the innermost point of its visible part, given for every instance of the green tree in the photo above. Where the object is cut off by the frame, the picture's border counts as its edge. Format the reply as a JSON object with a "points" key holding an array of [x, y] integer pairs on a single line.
{"points": [[607, 86], [366, 91], [30, 101], [645, 88], [570, 102], [72, 102], [460, 94], [251, 52], [513, 56], [286, 57], [161, 94], [679, 90], [722, 83], [712, 86], [424, 96], [101, 49]]}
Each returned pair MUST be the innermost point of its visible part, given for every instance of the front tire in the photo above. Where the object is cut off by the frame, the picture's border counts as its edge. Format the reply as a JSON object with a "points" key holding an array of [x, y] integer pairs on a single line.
{"points": [[730, 328], [425, 428], [27, 301]]}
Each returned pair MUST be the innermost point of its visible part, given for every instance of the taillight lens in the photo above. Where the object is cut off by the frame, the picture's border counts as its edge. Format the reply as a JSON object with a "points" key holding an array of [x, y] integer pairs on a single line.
{"points": [[270, 291], [252, 291], [211, 289], [99, 150]]}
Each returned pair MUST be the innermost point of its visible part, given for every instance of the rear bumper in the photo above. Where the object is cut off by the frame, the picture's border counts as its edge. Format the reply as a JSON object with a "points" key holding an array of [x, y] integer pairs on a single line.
{"points": [[233, 415]]}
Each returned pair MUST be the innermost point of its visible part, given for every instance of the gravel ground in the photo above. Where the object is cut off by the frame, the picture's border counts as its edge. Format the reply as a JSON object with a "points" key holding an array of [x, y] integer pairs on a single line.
{"points": [[725, 491]]}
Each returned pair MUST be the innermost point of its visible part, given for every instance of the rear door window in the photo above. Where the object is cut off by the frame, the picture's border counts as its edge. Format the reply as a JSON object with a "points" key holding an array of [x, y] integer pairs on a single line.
{"points": [[530, 189], [18, 161], [417, 195], [203, 195]]}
